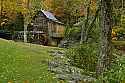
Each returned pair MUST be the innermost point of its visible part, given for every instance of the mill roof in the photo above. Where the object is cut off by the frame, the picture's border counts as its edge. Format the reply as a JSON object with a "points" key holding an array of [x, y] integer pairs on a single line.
{"points": [[50, 16]]}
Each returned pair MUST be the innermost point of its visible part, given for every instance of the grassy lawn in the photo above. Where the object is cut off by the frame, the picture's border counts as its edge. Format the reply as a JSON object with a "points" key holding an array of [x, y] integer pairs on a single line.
{"points": [[19, 62]]}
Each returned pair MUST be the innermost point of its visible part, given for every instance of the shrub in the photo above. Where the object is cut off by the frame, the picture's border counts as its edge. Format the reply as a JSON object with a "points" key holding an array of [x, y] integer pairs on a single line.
{"points": [[118, 33], [116, 74], [83, 56]]}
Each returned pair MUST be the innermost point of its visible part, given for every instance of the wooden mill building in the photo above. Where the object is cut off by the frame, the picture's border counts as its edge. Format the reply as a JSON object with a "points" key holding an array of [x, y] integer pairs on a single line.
{"points": [[46, 28]]}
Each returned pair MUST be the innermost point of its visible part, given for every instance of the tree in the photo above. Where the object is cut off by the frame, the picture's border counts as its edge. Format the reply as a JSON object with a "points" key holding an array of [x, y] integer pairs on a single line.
{"points": [[87, 23], [67, 11], [105, 57], [26, 21], [28, 7], [19, 22], [70, 11], [7, 11]]}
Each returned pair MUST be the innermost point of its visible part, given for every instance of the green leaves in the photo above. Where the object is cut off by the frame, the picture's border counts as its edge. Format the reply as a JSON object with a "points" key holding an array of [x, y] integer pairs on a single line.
{"points": [[83, 56], [116, 74]]}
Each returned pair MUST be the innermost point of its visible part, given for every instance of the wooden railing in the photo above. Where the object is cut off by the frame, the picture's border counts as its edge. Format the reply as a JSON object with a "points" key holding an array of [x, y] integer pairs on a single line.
{"points": [[57, 34], [29, 32]]}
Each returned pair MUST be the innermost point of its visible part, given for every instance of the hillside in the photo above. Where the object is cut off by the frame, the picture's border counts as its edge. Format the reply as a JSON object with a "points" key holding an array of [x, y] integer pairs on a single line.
{"points": [[19, 62]]}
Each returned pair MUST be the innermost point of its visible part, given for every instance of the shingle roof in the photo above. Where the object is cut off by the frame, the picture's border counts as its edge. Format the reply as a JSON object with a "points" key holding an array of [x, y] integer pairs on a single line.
{"points": [[49, 15]]}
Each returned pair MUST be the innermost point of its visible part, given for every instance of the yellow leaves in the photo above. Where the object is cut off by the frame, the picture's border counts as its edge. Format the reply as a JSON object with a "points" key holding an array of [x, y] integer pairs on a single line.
{"points": [[93, 6], [114, 32], [2, 23], [113, 35], [9, 81], [47, 3], [117, 32]]}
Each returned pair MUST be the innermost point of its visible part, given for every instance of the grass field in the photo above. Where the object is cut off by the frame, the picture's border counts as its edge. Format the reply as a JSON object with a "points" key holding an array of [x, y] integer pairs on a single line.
{"points": [[19, 62]]}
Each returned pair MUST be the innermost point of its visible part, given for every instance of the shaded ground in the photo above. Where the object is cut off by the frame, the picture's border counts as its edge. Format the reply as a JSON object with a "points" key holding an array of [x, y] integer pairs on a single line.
{"points": [[6, 35]]}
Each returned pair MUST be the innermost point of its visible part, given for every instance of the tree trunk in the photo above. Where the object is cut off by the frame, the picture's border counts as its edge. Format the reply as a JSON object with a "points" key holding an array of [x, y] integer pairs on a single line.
{"points": [[82, 32], [1, 9], [105, 37], [84, 27], [26, 22], [25, 32]]}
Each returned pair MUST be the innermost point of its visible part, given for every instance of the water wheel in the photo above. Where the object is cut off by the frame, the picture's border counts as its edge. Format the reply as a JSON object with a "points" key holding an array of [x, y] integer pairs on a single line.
{"points": [[40, 39]]}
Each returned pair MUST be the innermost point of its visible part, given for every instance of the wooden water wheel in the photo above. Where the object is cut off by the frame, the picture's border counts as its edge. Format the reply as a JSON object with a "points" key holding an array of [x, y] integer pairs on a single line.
{"points": [[40, 39]]}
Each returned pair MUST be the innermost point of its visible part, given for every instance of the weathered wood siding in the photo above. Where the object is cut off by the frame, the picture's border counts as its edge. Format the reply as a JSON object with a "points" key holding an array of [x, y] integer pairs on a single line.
{"points": [[59, 28], [40, 23], [55, 29]]}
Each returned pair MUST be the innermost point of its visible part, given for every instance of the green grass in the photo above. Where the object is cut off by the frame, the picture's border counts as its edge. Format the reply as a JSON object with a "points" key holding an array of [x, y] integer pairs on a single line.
{"points": [[20, 61]]}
